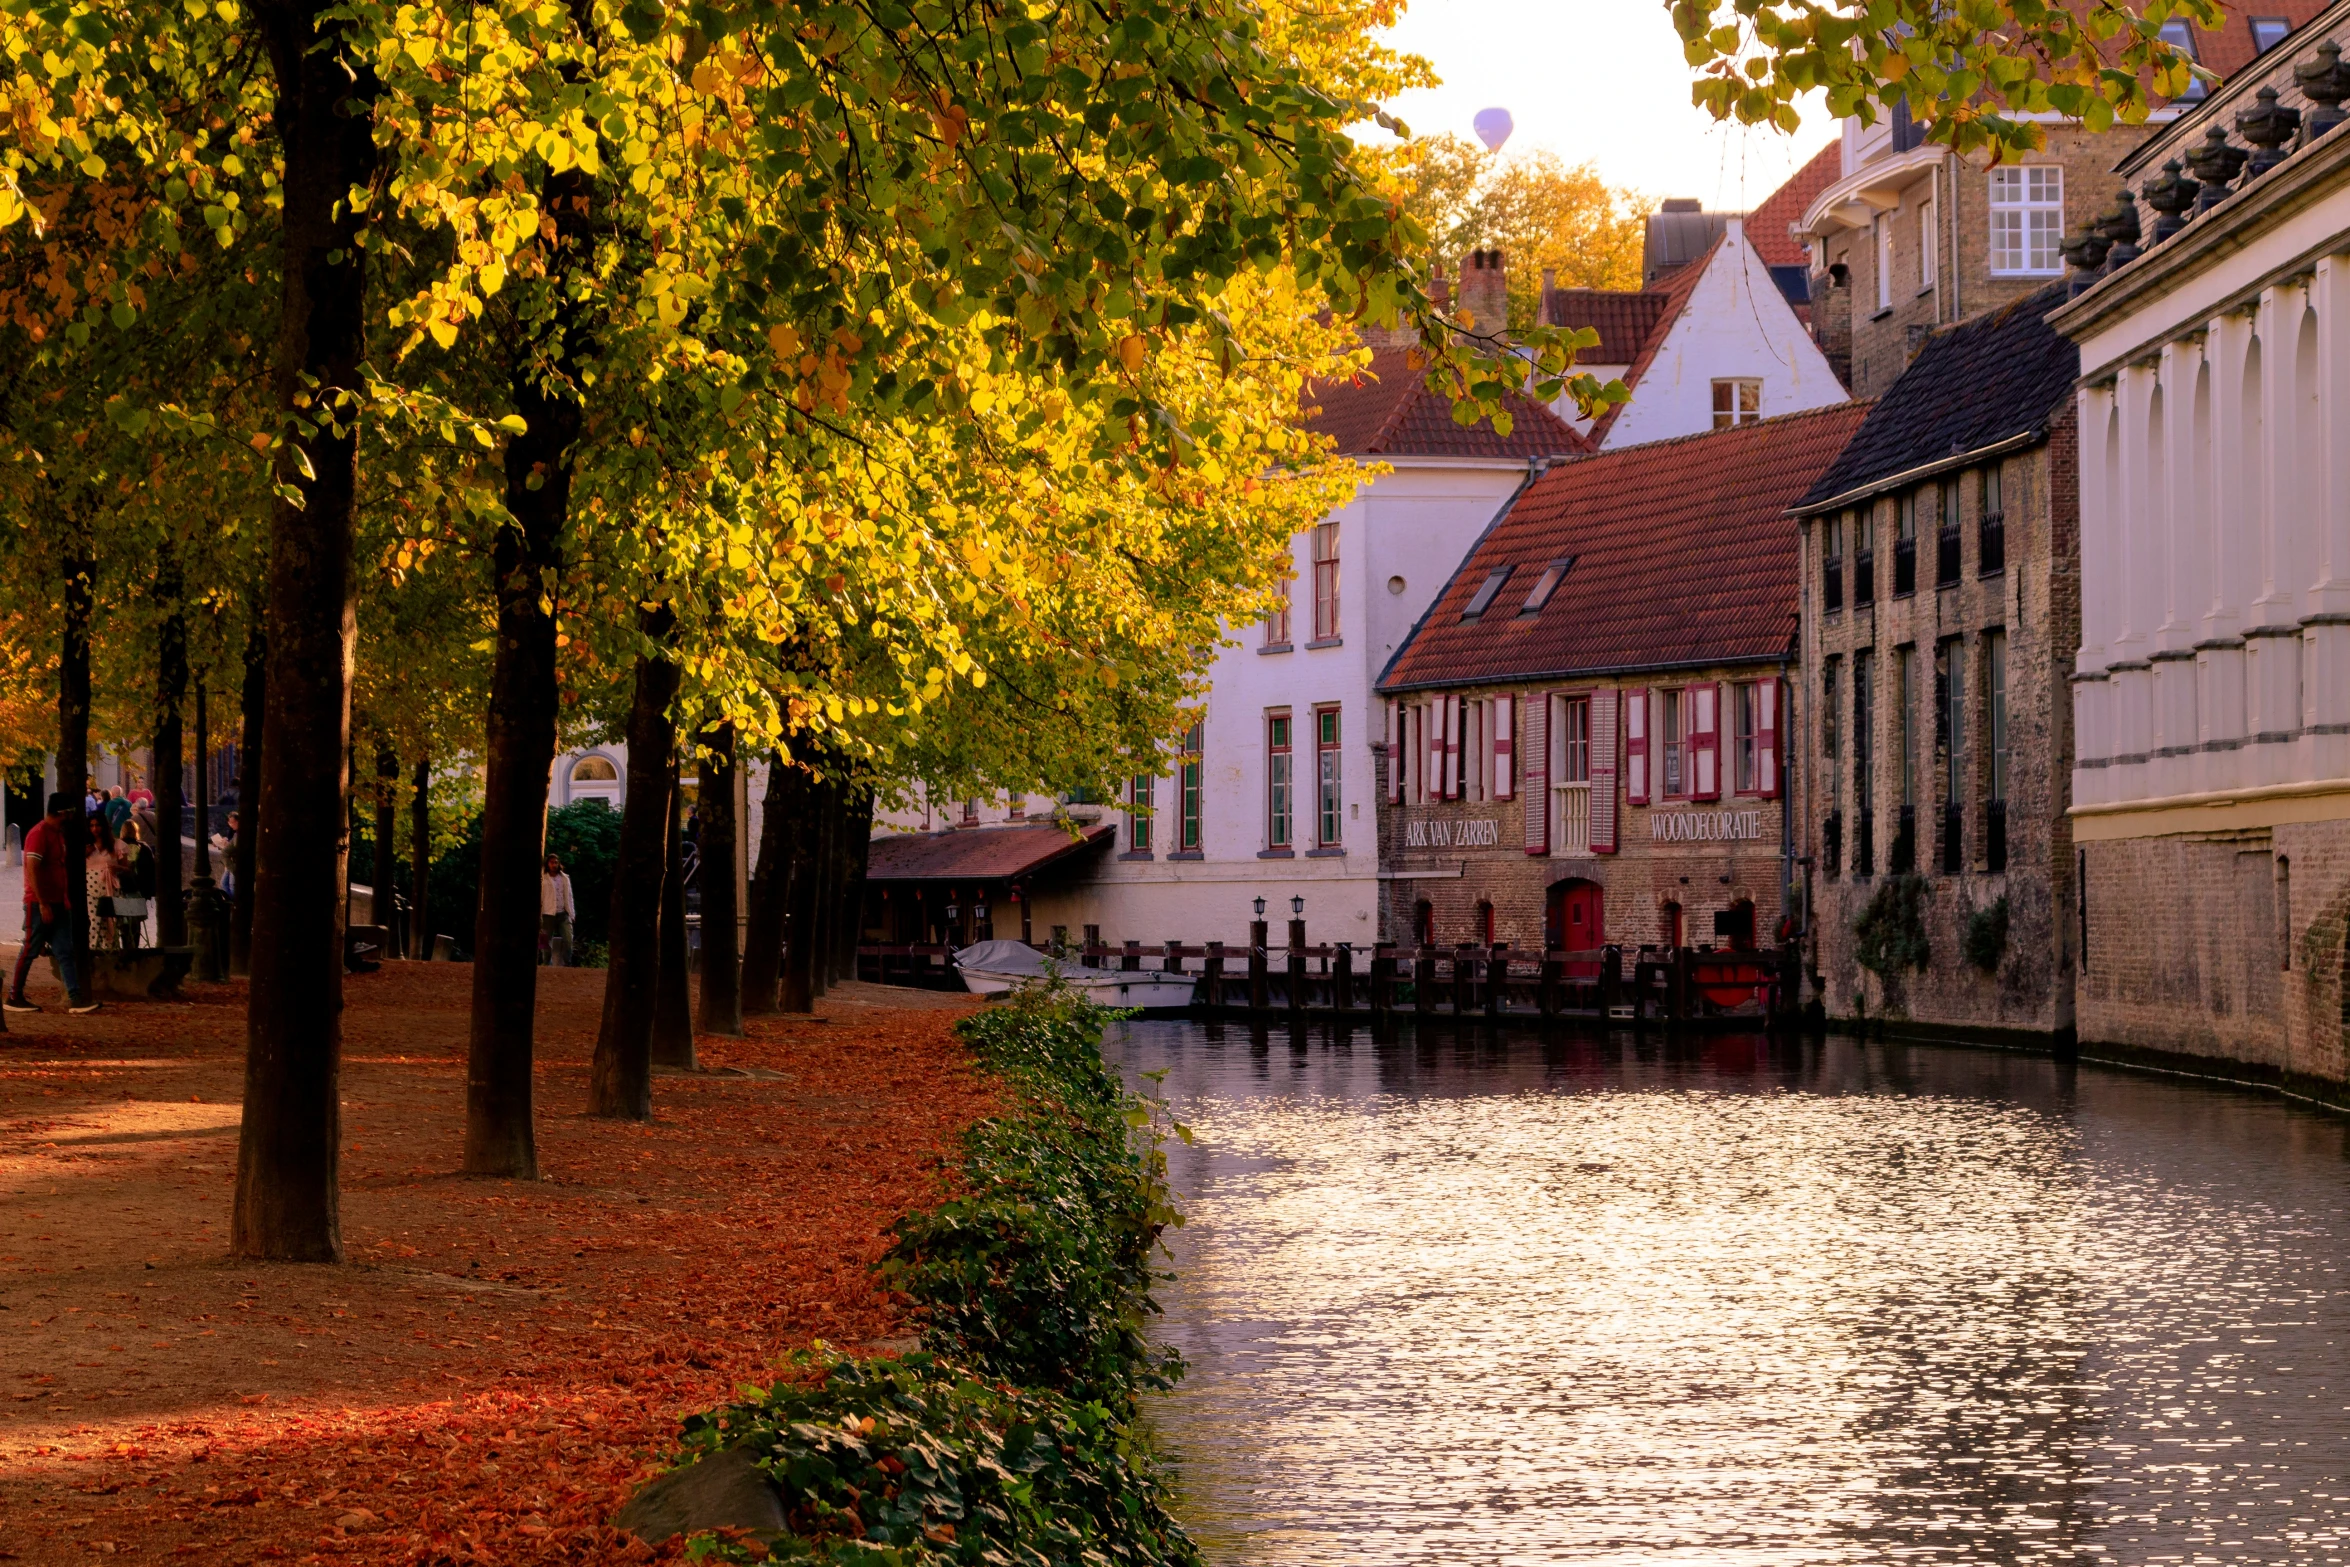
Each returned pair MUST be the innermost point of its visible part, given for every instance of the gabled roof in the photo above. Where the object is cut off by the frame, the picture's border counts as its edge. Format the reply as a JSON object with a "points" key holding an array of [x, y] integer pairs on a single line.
{"points": [[1387, 410], [977, 853], [1987, 383], [1624, 318], [1682, 558], [1768, 226], [1672, 295]]}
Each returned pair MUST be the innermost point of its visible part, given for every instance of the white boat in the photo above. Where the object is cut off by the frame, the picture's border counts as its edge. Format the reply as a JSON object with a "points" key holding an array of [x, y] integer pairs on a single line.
{"points": [[990, 968]]}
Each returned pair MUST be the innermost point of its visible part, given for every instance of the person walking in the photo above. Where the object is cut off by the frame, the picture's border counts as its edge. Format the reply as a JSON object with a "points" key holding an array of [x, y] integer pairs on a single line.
{"points": [[134, 884], [117, 808], [98, 885], [556, 911], [48, 907]]}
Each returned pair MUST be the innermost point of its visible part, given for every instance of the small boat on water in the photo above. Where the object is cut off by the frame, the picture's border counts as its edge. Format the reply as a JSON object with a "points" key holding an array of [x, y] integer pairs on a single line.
{"points": [[992, 967]]}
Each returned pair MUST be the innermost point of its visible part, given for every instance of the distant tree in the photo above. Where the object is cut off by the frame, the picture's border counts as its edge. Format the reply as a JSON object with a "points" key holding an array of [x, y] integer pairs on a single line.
{"points": [[1537, 208]]}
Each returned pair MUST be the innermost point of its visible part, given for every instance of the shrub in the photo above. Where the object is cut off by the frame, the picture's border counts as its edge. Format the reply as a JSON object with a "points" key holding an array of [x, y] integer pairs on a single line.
{"points": [[1890, 934], [1010, 1437], [1985, 941], [898, 1462]]}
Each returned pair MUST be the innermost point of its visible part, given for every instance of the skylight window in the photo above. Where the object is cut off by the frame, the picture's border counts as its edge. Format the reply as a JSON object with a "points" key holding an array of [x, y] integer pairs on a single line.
{"points": [[1552, 575], [1482, 600]]}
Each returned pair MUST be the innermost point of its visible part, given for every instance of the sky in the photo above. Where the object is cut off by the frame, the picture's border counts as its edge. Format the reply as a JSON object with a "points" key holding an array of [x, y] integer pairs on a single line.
{"points": [[1601, 81]]}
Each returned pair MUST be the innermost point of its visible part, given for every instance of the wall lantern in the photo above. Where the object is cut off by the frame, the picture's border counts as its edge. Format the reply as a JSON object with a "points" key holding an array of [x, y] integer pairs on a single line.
{"points": [[1260, 908], [1297, 906]]}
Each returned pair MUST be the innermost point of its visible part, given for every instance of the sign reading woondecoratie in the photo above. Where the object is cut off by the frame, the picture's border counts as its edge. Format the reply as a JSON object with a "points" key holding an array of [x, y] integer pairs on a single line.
{"points": [[1705, 826]]}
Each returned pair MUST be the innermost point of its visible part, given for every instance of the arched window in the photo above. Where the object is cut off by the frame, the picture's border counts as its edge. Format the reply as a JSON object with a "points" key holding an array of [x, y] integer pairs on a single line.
{"points": [[1423, 924], [594, 769], [1485, 921]]}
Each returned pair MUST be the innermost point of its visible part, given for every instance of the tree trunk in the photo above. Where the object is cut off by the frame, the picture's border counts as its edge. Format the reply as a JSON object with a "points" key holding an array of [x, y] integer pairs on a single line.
{"points": [[171, 689], [420, 861], [722, 995], [621, 1083], [800, 930], [673, 1010], [287, 1153], [387, 837], [770, 889], [524, 697], [825, 936], [856, 840], [253, 699], [73, 740]]}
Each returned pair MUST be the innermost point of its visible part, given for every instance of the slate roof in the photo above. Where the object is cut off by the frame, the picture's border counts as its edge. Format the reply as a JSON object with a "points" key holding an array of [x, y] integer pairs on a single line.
{"points": [[977, 853], [1996, 378], [1388, 411], [1682, 558], [1767, 226]]}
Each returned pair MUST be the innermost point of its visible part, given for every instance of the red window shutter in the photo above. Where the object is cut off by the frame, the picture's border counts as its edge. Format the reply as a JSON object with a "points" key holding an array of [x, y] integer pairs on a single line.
{"points": [[1452, 747], [1504, 749], [1766, 738], [1537, 793], [1636, 747], [1432, 731], [1705, 741], [1603, 772]]}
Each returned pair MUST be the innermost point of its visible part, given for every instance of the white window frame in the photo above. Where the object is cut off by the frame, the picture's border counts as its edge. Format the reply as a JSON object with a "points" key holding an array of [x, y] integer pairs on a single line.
{"points": [[1928, 274], [2026, 216], [1744, 401], [1884, 241]]}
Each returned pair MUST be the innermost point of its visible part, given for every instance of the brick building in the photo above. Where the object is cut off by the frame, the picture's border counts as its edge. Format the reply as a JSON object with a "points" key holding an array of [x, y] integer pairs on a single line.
{"points": [[2212, 689], [1941, 608], [1582, 733], [1910, 236]]}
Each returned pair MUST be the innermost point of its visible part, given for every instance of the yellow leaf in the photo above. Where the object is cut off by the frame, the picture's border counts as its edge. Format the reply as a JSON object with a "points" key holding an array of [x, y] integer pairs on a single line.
{"points": [[1130, 351], [443, 332], [784, 338]]}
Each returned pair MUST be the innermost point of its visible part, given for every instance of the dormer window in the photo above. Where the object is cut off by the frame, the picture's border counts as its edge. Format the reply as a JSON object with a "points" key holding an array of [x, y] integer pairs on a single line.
{"points": [[1482, 599], [2268, 32], [1547, 584], [2179, 33]]}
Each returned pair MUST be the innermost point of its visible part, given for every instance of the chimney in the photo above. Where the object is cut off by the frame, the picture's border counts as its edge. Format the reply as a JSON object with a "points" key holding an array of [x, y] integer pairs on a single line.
{"points": [[1485, 292], [1550, 286]]}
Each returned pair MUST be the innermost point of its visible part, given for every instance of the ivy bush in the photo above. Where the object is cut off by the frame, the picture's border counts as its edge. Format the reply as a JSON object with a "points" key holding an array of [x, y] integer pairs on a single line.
{"points": [[1009, 1438], [1985, 941], [1890, 934]]}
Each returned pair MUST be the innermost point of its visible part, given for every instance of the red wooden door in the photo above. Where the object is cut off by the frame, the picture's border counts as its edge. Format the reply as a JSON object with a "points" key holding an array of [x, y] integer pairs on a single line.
{"points": [[1577, 916]]}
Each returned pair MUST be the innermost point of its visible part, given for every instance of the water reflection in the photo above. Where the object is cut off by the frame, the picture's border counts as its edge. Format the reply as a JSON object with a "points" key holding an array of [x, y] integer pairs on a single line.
{"points": [[1476, 1296]]}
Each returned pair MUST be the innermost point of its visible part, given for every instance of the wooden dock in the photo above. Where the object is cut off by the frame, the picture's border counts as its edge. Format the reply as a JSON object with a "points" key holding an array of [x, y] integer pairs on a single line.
{"points": [[1673, 986]]}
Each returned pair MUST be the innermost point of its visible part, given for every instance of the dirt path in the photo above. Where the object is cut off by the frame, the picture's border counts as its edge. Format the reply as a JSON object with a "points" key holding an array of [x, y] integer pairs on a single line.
{"points": [[496, 1363]]}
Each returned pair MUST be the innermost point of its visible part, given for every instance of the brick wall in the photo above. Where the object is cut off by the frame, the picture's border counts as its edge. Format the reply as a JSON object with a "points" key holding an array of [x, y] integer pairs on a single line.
{"points": [[2035, 602]]}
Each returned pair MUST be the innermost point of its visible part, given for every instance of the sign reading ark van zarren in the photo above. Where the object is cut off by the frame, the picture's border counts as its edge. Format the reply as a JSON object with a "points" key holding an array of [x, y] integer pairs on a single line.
{"points": [[1476, 832]]}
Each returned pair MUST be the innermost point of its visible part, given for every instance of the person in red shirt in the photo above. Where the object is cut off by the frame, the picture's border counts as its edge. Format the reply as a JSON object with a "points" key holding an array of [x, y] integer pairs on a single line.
{"points": [[48, 908]]}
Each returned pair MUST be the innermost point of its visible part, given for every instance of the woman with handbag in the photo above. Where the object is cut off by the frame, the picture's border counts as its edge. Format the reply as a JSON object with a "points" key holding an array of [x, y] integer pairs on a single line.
{"points": [[134, 884]]}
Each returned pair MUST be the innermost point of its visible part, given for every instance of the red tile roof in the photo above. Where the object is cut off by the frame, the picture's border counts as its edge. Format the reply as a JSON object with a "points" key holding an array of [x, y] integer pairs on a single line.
{"points": [[1623, 318], [1388, 411], [977, 853], [1767, 225], [1683, 556]]}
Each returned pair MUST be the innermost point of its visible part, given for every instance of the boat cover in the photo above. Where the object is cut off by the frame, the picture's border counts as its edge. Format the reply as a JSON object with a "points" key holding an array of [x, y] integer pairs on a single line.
{"points": [[1002, 957]]}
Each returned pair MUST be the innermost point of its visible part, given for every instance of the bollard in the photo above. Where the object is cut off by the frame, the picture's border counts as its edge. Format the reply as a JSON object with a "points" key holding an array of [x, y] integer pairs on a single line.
{"points": [[207, 929]]}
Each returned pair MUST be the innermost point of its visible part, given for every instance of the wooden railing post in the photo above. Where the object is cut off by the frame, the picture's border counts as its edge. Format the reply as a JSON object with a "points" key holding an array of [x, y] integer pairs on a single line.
{"points": [[1464, 979], [1546, 996], [1259, 993], [1215, 975], [1424, 979], [1611, 980], [1342, 974], [1297, 968], [1131, 961], [1382, 981]]}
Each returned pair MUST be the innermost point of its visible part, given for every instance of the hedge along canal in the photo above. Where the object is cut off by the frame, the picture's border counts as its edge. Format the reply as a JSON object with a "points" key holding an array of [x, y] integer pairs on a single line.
{"points": [[1010, 1435]]}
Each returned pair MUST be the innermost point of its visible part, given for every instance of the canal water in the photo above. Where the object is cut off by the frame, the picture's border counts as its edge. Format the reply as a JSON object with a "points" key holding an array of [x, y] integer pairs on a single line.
{"points": [[1495, 1297]]}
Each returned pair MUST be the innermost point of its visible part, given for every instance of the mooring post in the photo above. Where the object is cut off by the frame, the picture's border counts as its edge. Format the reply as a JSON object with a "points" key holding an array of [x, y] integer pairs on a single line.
{"points": [[1297, 968], [1546, 994], [1497, 979], [1382, 981], [1258, 993], [1464, 978], [1215, 975], [1424, 979], [1342, 973], [1174, 956], [1611, 980]]}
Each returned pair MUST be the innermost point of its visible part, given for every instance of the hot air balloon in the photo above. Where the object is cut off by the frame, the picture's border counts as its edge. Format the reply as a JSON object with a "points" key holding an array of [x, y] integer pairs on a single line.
{"points": [[1493, 127]]}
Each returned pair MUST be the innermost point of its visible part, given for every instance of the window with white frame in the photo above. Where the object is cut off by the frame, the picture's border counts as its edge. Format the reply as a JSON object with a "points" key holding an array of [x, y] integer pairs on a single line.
{"points": [[1669, 715], [1278, 781], [1737, 402], [1187, 776], [1746, 758], [1277, 623], [1325, 581], [1884, 238], [2027, 220], [1329, 827], [1138, 820], [1927, 246]]}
